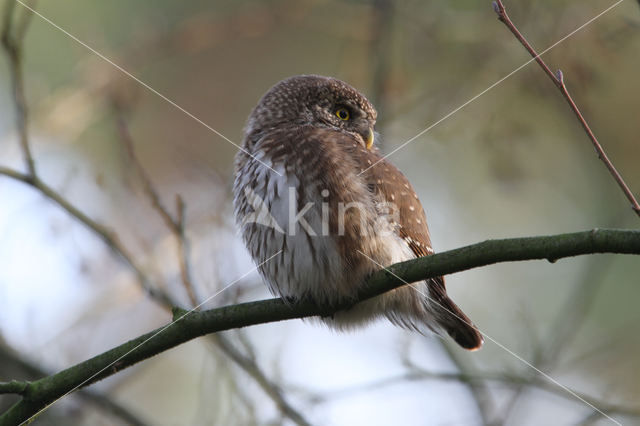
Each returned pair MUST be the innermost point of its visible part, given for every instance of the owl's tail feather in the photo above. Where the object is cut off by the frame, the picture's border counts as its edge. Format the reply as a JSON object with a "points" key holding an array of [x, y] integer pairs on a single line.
{"points": [[458, 325], [451, 318]]}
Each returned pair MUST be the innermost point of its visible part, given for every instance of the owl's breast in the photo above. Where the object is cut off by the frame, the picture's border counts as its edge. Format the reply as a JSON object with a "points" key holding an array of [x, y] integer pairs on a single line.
{"points": [[318, 212]]}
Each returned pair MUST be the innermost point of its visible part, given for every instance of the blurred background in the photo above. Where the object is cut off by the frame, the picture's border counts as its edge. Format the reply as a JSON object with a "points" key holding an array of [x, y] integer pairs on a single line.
{"points": [[514, 162]]}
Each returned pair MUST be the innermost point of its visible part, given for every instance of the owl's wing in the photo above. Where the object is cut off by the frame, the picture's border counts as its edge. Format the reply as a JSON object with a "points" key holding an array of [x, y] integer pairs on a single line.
{"points": [[385, 180]]}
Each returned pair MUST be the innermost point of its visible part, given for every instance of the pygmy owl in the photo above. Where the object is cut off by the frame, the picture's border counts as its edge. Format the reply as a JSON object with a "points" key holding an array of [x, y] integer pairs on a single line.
{"points": [[312, 186]]}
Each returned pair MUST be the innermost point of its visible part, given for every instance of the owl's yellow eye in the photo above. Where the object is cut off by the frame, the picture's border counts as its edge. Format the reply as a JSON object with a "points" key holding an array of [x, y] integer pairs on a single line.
{"points": [[343, 114]]}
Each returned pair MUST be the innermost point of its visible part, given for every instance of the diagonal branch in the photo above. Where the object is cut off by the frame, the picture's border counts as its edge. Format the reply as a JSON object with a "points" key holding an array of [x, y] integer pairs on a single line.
{"points": [[13, 361], [175, 225], [558, 80], [418, 374], [479, 389], [249, 366], [188, 325], [12, 43], [109, 237]]}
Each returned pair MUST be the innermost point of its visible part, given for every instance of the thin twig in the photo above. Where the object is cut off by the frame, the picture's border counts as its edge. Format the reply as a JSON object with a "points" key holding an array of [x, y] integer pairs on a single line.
{"points": [[380, 48], [176, 226], [251, 368], [12, 43], [419, 374], [478, 388], [565, 326], [149, 189], [558, 80], [109, 237]]}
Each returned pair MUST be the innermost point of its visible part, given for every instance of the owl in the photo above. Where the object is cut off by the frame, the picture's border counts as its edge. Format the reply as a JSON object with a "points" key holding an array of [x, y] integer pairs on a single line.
{"points": [[320, 209]]}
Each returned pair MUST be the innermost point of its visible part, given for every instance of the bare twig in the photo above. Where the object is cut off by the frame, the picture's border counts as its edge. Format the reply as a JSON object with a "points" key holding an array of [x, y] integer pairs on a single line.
{"points": [[175, 225], [183, 251], [12, 42], [251, 368], [558, 80], [474, 379], [419, 374], [381, 52], [149, 189], [109, 237], [565, 327], [478, 388]]}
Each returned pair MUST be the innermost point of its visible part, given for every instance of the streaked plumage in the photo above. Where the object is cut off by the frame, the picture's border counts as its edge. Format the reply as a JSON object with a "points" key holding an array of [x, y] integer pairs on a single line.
{"points": [[345, 194]]}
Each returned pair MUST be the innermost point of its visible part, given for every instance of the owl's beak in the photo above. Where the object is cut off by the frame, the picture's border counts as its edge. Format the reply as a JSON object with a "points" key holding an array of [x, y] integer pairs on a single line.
{"points": [[370, 138]]}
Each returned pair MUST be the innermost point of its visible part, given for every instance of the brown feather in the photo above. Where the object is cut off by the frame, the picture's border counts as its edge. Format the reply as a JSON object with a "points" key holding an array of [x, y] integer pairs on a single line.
{"points": [[394, 187]]}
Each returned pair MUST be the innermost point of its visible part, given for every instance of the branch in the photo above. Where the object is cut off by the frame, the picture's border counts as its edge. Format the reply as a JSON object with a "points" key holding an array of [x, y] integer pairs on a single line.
{"points": [[479, 390], [249, 366], [565, 327], [12, 361], [558, 80], [419, 374], [108, 236], [188, 325], [14, 386], [175, 225], [12, 44]]}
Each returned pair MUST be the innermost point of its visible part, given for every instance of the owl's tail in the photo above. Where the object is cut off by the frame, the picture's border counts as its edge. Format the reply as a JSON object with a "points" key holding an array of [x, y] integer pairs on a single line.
{"points": [[458, 325], [451, 318]]}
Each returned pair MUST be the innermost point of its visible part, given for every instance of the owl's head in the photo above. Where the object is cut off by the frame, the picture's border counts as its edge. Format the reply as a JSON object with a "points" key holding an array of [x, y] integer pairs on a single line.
{"points": [[312, 100]]}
